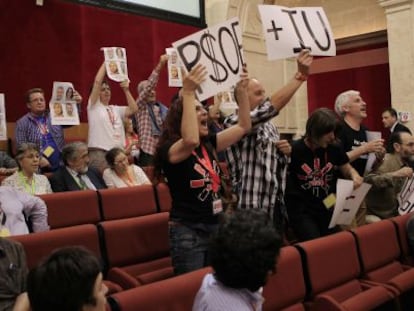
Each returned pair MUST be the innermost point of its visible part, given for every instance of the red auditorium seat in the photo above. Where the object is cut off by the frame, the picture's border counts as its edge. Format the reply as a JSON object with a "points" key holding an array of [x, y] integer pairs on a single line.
{"points": [[285, 290], [401, 224], [138, 249], [174, 294], [332, 270], [72, 208], [39, 245], [127, 202], [379, 252], [164, 197]]}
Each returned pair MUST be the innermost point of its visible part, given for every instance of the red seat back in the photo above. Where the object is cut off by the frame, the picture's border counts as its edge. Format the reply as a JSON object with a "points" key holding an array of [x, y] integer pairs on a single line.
{"points": [[127, 202], [164, 197]]}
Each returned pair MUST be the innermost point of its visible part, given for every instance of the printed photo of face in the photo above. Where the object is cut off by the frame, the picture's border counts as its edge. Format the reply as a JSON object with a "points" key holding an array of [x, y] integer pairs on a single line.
{"points": [[58, 110], [110, 53], [174, 72], [59, 93], [123, 68], [113, 68], [69, 93], [174, 57], [120, 53], [69, 109]]}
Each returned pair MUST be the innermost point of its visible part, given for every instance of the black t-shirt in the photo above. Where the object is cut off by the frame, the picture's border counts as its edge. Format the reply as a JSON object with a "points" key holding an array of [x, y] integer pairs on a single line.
{"points": [[312, 174], [351, 139], [191, 185]]}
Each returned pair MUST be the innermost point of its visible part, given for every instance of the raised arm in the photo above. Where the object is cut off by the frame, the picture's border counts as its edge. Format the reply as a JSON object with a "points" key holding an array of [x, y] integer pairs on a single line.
{"points": [[190, 136], [97, 84], [349, 172], [280, 98], [371, 146], [132, 106], [234, 133]]}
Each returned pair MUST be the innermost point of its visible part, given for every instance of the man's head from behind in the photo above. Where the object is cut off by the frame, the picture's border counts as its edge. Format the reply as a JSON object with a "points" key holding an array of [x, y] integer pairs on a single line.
{"points": [[403, 144], [69, 279], [244, 250]]}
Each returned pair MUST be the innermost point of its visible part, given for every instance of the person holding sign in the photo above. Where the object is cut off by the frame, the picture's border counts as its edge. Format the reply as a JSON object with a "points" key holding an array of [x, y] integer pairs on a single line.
{"points": [[106, 126], [388, 179], [186, 154], [151, 114], [262, 148], [36, 127], [311, 184]]}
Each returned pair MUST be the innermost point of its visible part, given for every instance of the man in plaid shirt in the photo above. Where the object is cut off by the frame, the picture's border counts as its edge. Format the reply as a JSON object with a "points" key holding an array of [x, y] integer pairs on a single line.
{"points": [[150, 115], [258, 163]]}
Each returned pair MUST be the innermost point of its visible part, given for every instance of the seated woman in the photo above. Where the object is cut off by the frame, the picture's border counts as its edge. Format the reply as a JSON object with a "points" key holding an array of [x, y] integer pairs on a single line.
{"points": [[120, 173], [26, 178]]}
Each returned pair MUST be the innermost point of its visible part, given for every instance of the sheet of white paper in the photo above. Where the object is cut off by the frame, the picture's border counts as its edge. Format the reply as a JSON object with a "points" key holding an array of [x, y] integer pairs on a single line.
{"points": [[407, 206], [371, 135], [116, 63], [406, 192], [63, 108], [348, 201], [3, 122], [174, 68], [219, 48], [288, 30]]}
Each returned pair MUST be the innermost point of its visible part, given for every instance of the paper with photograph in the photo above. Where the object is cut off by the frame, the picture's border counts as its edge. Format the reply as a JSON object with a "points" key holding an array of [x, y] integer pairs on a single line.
{"points": [[62, 106], [3, 124], [174, 68], [116, 63]]}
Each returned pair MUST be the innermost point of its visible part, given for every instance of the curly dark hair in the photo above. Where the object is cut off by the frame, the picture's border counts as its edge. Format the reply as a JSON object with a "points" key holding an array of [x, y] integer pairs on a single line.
{"points": [[244, 249]]}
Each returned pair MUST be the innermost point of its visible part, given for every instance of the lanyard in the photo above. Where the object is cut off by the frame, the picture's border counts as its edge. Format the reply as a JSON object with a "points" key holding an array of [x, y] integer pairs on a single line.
{"points": [[111, 116], [42, 126], [29, 188], [206, 163]]}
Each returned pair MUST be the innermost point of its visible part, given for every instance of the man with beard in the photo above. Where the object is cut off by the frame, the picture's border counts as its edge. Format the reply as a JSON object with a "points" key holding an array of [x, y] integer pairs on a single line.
{"points": [[388, 179], [76, 175]]}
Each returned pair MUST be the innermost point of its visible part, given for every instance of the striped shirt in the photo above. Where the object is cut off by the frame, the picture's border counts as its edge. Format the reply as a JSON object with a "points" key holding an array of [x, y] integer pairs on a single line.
{"points": [[213, 296], [257, 169]]}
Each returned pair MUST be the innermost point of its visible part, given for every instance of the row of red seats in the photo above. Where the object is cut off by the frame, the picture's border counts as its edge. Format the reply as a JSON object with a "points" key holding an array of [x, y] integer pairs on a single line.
{"points": [[359, 270], [73, 208]]}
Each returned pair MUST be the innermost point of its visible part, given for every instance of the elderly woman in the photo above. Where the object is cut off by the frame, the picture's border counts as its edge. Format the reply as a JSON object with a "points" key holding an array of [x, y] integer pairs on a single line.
{"points": [[26, 178], [122, 174]]}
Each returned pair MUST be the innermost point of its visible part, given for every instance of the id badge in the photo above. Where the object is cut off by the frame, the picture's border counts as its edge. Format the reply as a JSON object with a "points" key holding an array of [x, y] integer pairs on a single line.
{"points": [[48, 151], [4, 232], [217, 207], [329, 201]]}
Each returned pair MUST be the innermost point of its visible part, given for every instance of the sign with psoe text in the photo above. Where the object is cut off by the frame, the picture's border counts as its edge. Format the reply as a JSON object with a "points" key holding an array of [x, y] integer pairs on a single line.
{"points": [[219, 49], [289, 30]]}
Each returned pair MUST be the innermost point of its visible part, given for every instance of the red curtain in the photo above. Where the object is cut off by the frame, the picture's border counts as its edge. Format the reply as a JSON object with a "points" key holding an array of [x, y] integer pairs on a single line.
{"points": [[372, 81], [61, 41]]}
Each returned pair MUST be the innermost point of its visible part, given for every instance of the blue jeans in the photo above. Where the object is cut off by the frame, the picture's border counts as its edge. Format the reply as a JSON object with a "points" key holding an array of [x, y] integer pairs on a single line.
{"points": [[189, 245]]}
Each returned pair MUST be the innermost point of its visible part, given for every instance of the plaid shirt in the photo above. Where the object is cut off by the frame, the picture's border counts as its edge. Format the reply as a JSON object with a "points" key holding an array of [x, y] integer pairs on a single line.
{"points": [[27, 131], [144, 124], [257, 169]]}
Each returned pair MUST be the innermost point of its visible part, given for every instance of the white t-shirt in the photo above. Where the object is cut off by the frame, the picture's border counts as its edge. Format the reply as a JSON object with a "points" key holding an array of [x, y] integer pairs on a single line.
{"points": [[106, 127]]}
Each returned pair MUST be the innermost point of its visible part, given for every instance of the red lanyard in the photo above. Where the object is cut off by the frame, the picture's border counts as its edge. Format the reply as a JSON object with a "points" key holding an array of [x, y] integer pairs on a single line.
{"points": [[207, 164], [111, 116], [42, 126]]}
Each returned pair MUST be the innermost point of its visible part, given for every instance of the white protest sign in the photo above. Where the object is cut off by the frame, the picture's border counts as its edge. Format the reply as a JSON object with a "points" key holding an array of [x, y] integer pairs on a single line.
{"points": [[371, 135], [407, 206], [289, 30], [63, 108], [406, 195], [3, 124], [348, 201], [219, 49], [174, 68], [116, 63]]}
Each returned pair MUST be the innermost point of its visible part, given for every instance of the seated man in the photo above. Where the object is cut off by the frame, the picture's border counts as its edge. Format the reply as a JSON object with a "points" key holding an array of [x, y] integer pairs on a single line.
{"points": [[76, 175], [7, 164], [13, 272], [15, 206], [243, 254], [70, 279], [387, 180]]}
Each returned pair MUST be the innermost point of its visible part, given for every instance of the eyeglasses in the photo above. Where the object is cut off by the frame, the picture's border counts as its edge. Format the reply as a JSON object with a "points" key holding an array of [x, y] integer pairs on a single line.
{"points": [[120, 161], [105, 88], [41, 100], [32, 156]]}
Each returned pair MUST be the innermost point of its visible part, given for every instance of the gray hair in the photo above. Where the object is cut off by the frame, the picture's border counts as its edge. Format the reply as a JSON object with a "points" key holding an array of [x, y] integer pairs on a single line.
{"points": [[21, 150], [342, 99], [70, 151]]}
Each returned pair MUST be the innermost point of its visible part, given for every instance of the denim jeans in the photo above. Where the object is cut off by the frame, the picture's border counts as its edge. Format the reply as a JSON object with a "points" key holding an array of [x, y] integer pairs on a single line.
{"points": [[189, 245]]}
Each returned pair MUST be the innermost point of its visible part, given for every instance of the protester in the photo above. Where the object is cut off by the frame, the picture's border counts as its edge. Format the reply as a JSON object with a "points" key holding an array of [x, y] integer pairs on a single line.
{"points": [[186, 156], [26, 178]]}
